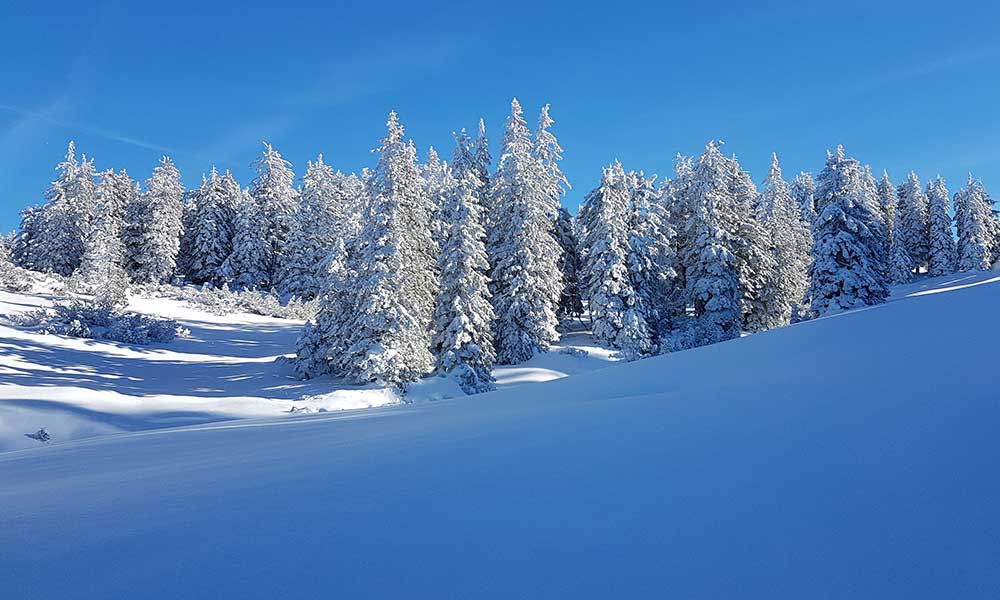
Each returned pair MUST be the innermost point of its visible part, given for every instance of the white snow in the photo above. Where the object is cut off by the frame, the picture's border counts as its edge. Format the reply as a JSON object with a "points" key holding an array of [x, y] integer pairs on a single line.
{"points": [[226, 369], [852, 456]]}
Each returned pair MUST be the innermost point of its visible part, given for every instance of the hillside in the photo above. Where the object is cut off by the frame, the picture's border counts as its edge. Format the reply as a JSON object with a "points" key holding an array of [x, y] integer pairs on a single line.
{"points": [[847, 457]]}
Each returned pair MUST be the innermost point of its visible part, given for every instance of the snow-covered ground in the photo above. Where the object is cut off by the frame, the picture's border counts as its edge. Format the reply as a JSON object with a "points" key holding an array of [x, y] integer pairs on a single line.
{"points": [[226, 369], [853, 456]]}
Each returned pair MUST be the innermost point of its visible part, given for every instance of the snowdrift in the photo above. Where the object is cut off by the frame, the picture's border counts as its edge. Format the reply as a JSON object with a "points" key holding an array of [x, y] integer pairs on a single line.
{"points": [[848, 457]]}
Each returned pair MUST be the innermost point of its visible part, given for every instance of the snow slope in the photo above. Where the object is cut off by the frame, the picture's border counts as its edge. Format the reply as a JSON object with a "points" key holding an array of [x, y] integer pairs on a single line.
{"points": [[225, 370], [849, 457]]}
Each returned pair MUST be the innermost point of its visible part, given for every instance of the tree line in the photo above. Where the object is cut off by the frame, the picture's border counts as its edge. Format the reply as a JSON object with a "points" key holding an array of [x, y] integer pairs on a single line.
{"points": [[449, 267]]}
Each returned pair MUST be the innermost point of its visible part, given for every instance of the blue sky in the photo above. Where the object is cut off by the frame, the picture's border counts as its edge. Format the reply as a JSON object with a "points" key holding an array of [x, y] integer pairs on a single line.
{"points": [[902, 85]]}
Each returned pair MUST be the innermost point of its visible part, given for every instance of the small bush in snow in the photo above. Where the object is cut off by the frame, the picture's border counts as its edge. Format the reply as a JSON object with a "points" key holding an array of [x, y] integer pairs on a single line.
{"points": [[41, 435], [577, 352], [100, 320], [223, 301]]}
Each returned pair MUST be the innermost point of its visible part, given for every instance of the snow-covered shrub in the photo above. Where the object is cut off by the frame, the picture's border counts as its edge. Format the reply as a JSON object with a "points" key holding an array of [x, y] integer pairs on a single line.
{"points": [[223, 301], [12, 277], [100, 320], [577, 352]]}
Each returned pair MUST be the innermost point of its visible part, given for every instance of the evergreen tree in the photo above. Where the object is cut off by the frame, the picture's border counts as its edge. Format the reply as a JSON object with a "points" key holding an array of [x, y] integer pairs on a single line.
{"points": [[314, 230], [616, 309], [523, 252], [212, 227], [914, 225], [651, 250], [677, 202], [102, 268], [570, 302], [791, 241], [712, 273], [26, 252], [481, 156], [68, 215], [153, 225], [846, 271], [246, 266], [751, 245], [888, 202], [463, 315], [803, 190], [438, 184], [973, 222], [942, 243], [899, 269], [549, 153], [396, 285], [277, 202], [322, 348]]}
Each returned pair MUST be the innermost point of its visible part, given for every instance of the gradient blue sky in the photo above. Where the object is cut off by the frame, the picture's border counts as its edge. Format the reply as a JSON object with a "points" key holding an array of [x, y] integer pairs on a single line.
{"points": [[903, 85]]}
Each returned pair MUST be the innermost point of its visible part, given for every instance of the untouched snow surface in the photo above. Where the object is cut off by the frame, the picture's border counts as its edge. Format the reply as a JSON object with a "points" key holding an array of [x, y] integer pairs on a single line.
{"points": [[849, 457], [226, 369]]}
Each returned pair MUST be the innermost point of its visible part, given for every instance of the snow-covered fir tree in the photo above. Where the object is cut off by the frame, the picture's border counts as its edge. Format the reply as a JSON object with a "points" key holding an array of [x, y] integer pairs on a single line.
{"points": [[463, 315], [973, 223], [941, 255], [676, 200], [803, 190], [570, 301], [524, 255], [323, 218], [651, 250], [103, 266], [247, 265], [211, 232], [481, 156], [791, 241], [888, 203], [913, 223], [68, 216], [26, 252], [751, 244], [617, 311], [549, 153], [899, 269], [322, 348], [846, 271], [277, 202], [395, 285], [438, 187], [153, 224], [712, 270]]}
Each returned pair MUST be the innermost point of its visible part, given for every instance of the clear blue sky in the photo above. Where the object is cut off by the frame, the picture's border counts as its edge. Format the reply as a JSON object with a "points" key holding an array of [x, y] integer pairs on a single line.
{"points": [[902, 85]]}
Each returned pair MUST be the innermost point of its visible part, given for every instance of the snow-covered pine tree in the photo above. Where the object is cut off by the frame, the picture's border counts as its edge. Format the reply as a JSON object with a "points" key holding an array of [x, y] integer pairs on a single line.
{"points": [[277, 202], [438, 184], [322, 347], [313, 232], [791, 241], [524, 255], [481, 157], [712, 270], [185, 251], [549, 153], [27, 252], [212, 227], [803, 190], [616, 309], [396, 283], [102, 269], [246, 267], [677, 207], [914, 226], [888, 203], [941, 258], [899, 269], [570, 302], [153, 225], [973, 223], [751, 244], [463, 315], [846, 271], [68, 216], [651, 251]]}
